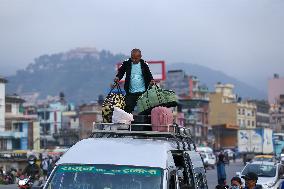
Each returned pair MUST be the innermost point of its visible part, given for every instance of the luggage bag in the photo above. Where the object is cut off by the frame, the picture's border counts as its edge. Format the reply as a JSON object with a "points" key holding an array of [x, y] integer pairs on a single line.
{"points": [[162, 119]]}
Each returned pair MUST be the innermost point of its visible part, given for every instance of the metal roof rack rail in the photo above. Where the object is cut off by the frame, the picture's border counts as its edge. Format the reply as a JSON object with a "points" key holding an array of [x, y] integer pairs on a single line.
{"points": [[181, 135]]}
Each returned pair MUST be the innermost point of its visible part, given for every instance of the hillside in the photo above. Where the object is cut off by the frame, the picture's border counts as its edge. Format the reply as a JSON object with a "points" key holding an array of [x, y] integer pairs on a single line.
{"points": [[84, 73]]}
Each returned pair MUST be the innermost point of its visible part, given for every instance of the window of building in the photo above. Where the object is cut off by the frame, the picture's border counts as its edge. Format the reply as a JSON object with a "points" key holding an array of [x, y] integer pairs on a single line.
{"points": [[239, 122], [239, 111], [248, 122], [253, 113], [9, 108], [252, 123], [243, 111]]}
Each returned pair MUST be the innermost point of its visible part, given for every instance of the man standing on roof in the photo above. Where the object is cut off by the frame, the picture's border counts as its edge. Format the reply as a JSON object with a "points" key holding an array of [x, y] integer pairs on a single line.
{"points": [[138, 78]]}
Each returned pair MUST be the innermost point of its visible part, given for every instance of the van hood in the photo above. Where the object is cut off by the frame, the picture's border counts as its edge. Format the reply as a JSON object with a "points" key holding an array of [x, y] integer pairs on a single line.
{"points": [[266, 180]]}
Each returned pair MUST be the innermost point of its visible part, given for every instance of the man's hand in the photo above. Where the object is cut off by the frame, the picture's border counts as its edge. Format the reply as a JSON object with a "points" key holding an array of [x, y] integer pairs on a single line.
{"points": [[116, 80], [152, 82]]}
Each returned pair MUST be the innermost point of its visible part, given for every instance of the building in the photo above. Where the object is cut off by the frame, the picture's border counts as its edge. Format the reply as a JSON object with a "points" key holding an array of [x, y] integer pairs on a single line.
{"points": [[88, 115], [262, 113], [68, 134], [196, 118], [185, 85], [178, 81], [223, 105], [275, 89], [246, 115], [50, 115], [228, 114], [277, 115], [2, 103], [19, 128]]}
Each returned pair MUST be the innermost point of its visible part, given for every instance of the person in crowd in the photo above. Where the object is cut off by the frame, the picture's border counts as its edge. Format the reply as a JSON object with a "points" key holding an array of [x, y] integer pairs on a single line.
{"points": [[234, 157], [251, 180], [221, 172], [236, 183], [32, 169], [227, 159], [1, 171], [138, 78], [45, 167]]}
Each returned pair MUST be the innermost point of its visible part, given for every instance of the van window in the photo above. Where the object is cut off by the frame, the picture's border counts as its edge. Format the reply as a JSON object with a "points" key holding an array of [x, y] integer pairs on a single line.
{"points": [[195, 167], [105, 176]]}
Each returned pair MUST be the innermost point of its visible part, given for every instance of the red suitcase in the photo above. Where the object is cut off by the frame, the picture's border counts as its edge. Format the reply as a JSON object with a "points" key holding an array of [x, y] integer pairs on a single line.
{"points": [[162, 119]]}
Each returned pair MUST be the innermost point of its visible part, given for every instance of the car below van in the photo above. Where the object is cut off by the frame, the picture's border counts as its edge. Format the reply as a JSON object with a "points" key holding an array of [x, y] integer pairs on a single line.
{"points": [[130, 159]]}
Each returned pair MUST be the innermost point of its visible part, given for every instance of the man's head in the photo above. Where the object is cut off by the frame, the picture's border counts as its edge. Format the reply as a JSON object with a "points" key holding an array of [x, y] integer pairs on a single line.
{"points": [[250, 179], [236, 182], [136, 55]]}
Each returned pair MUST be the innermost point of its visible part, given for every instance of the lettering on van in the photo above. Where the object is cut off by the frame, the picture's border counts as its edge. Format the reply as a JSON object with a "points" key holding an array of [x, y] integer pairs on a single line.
{"points": [[116, 171]]}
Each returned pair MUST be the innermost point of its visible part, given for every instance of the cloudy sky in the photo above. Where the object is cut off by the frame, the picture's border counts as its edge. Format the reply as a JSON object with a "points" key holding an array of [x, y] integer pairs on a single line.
{"points": [[243, 38]]}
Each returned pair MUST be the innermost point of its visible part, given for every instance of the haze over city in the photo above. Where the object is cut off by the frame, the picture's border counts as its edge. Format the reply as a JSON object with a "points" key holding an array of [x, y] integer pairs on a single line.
{"points": [[241, 38]]}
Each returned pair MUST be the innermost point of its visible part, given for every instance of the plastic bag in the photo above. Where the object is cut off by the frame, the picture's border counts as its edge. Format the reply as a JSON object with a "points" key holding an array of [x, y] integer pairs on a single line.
{"points": [[120, 116]]}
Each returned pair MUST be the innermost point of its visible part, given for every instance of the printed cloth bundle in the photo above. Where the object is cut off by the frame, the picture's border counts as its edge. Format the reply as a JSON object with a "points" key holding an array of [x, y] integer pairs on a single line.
{"points": [[112, 100], [155, 96]]}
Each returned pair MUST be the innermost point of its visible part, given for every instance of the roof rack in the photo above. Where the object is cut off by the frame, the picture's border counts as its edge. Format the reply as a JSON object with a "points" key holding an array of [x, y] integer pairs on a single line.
{"points": [[178, 134]]}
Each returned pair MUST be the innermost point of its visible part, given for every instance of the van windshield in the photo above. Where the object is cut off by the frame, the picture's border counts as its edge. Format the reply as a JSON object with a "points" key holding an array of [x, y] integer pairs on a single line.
{"points": [[105, 177]]}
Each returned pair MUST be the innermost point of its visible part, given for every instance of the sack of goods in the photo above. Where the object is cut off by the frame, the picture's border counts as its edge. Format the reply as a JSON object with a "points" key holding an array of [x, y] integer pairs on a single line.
{"points": [[155, 96], [162, 119], [120, 116], [112, 100]]}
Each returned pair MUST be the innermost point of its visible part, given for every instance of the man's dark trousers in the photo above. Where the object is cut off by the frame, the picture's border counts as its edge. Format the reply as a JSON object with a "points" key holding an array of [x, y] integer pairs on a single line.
{"points": [[131, 101]]}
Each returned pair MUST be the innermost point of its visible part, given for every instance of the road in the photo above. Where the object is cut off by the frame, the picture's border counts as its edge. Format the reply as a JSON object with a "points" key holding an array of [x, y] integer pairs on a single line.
{"points": [[230, 171], [211, 175]]}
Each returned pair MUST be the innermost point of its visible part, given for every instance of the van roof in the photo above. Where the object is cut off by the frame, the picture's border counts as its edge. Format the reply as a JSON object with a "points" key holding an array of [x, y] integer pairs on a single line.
{"points": [[119, 151]]}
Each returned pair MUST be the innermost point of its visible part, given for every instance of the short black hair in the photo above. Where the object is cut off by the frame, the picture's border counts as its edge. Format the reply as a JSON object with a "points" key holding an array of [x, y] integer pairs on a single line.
{"points": [[135, 50], [238, 179]]}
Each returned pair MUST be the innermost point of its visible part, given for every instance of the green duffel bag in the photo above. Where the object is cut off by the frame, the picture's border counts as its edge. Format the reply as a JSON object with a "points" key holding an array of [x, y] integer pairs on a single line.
{"points": [[170, 97], [151, 98]]}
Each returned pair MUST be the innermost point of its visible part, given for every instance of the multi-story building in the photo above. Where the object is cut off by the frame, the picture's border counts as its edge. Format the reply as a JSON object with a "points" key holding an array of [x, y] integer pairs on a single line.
{"points": [[185, 85], [228, 114], [246, 115], [68, 134], [262, 113], [193, 98], [196, 118], [19, 128], [2, 103], [50, 116], [16, 129], [277, 115], [275, 89]]}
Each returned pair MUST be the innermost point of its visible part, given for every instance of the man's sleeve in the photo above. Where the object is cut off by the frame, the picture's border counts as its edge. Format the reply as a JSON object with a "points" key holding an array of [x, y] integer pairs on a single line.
{"points": [[121, 71]]}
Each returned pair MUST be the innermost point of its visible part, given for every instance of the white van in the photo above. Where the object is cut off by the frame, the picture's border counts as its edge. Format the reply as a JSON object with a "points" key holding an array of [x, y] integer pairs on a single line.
{"points": [[130, 160]]}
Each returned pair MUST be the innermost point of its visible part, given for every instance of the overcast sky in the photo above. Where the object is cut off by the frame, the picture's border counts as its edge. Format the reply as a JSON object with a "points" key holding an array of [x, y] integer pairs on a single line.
{"points": [[243, 38]]}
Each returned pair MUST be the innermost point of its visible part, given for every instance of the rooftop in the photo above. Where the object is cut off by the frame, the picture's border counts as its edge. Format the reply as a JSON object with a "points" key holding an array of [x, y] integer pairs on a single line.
{"points": [[119, 151]]}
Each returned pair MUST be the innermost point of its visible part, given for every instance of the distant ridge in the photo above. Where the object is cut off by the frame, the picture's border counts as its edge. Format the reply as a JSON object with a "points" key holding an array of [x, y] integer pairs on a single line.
{"points": [[85, 73]]}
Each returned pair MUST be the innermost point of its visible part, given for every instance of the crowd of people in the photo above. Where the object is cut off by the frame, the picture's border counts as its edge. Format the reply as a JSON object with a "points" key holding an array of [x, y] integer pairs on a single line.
{"points": [[236, 182], [37, 168]]}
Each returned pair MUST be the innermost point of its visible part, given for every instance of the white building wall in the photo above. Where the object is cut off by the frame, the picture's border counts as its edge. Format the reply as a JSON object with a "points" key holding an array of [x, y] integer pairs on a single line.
{"points": [[15, 108], [2, 107]]}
